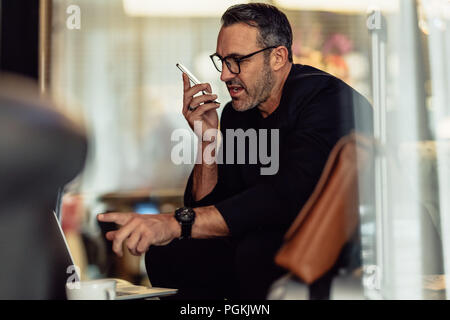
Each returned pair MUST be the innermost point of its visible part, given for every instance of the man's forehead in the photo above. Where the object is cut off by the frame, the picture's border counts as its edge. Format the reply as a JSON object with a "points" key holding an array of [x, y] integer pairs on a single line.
{"points": [[237, 38]]}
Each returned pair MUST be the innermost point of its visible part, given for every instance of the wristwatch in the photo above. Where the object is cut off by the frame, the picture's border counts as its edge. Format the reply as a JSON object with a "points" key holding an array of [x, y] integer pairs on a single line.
{"points": [[186, 217]]}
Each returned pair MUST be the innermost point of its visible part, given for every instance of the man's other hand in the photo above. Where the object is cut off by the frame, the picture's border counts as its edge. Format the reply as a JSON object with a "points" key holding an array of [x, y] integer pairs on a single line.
{"points": [[140, 231]]}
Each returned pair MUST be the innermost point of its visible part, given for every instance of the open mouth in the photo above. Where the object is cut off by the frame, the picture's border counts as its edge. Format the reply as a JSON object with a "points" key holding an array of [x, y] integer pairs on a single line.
{"points": [[235, 91]]}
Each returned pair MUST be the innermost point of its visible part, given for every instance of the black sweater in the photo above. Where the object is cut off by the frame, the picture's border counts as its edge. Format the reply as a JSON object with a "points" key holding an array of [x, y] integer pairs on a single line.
{"points": [[315, 111]]}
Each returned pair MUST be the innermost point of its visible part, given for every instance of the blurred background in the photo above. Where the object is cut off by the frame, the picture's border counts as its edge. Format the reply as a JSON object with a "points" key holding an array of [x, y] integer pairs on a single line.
{"points": [[109, 66]]}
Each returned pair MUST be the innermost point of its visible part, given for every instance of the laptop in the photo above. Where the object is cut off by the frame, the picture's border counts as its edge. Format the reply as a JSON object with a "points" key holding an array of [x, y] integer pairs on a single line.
{"points": [[124, 289]]}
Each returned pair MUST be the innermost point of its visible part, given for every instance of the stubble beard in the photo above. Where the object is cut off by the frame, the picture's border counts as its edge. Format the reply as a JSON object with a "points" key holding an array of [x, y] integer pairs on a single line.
{"points": [[259, 93]]}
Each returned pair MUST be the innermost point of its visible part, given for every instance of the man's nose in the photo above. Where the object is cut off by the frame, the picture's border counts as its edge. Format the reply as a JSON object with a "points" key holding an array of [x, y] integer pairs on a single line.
{"points": [[226, 74]]}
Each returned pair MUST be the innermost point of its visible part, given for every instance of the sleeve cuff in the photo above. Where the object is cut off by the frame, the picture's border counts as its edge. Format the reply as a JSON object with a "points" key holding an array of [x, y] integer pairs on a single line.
{"points": [[208, 200]]}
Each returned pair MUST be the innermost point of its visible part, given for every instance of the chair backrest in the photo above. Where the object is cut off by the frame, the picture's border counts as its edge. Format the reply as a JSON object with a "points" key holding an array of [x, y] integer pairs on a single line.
{"points": [[330, 218]]}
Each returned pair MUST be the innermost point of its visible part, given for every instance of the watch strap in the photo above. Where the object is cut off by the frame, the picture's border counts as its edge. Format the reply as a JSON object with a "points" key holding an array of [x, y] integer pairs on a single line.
{"points": [[186, 224], [186, 230]]}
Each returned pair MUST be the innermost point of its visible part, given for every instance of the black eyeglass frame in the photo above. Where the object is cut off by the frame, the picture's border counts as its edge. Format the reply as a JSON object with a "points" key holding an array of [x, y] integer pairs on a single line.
{"points": [[237, 60]]}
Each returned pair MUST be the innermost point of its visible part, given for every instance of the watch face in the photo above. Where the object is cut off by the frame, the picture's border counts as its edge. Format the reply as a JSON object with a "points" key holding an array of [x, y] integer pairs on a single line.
{"points": [[185, 215]]}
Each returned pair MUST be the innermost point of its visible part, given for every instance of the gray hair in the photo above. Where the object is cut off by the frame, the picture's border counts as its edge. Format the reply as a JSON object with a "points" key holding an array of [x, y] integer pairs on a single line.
{"points": [[272, 24]]}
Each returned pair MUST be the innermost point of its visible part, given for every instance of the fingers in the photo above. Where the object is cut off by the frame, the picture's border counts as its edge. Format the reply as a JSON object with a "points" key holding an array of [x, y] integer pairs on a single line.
{"points": [[139, 232], [186, 86], [192, 91], [120, 218], [137, 243], [208, 89], [204, 108], [189, 92], [133, 240], [143, 244], [186, 82], [122, 234], [110, 235], [202, 99], [197, 88]]}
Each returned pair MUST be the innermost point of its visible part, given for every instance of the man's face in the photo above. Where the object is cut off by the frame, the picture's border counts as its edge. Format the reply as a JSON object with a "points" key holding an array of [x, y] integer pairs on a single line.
{"points": [[253, 85]]}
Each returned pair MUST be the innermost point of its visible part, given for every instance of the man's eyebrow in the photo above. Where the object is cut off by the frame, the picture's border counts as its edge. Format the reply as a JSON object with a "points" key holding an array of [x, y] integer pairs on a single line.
{"points": [[235, 54], [231, 55]]}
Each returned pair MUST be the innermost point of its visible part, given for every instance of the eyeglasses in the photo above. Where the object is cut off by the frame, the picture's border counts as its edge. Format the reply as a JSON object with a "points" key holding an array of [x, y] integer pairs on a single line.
{"points": [[233, 62]]}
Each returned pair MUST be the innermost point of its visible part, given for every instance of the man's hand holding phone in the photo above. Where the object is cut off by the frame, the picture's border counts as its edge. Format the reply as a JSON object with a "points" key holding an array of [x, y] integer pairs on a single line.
{"points": [[200, 108]]}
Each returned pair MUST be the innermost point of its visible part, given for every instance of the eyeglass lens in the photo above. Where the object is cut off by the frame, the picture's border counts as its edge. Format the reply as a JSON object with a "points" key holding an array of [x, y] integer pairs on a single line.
{"points": [[230, 62]]}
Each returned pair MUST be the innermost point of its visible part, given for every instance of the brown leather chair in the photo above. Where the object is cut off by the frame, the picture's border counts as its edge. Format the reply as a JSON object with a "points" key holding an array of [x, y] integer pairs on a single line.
{"points": [[325, 235]]}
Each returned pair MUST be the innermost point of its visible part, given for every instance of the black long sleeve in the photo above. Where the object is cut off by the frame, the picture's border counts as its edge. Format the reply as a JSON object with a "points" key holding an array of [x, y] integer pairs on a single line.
{"points": [[315, 111]]}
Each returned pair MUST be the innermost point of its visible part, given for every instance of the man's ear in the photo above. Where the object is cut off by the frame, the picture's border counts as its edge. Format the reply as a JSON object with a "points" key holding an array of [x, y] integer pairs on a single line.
{"points": [[279, 57]]}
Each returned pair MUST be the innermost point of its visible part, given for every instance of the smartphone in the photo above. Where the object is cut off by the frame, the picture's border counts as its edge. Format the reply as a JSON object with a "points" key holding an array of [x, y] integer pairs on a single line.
{"points": [[191, 77]]}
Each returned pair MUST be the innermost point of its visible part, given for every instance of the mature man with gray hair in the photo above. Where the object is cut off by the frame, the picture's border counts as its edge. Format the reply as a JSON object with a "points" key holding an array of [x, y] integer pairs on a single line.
{"points": [[234, 217]]}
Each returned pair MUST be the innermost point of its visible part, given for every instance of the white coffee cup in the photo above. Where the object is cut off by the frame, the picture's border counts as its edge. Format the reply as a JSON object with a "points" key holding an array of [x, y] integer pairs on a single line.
{"points": [[102, 289]]}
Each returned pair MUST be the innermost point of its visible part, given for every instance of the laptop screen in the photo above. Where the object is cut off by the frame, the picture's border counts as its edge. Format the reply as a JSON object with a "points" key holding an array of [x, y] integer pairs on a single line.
{"points": [[64, 269]]}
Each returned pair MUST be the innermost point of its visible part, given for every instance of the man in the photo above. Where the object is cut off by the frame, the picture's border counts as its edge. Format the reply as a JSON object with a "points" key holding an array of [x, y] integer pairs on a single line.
{"points": [[235, 215]]}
